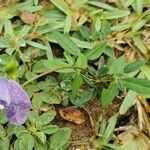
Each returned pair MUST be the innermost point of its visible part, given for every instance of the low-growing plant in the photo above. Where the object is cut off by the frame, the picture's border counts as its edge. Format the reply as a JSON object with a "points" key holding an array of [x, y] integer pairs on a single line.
{"points": [[68, 52]]}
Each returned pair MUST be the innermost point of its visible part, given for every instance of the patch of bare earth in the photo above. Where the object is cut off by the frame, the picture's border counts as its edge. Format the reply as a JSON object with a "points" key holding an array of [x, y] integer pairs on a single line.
{"points": [[83, 134]]}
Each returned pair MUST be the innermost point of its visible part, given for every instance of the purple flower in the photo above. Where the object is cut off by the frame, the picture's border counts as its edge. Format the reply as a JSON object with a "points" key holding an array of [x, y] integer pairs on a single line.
{"points": [[14, 100]]}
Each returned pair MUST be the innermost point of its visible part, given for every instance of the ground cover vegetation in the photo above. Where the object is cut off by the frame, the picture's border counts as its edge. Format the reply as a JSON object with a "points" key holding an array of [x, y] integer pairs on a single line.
{"points": [[74, 74]]}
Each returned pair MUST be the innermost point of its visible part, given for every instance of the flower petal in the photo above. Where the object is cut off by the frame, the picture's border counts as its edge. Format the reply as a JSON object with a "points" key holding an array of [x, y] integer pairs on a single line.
{"points": [[4, 91], [17, 114], [20, 105]]}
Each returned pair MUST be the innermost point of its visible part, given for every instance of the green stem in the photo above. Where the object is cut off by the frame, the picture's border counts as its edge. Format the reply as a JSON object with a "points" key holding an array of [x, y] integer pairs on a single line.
{"points": [[50, 71]]}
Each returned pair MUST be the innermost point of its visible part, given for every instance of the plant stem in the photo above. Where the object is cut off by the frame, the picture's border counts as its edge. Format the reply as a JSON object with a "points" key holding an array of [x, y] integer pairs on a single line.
{"points": [[50, 71]]}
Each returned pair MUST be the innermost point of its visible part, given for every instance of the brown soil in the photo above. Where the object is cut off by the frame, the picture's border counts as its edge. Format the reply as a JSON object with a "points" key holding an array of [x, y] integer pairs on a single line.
{"points": [[84, 133]]}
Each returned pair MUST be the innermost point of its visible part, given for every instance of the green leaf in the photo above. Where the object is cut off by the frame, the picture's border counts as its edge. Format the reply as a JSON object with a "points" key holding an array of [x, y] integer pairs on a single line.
{"points": [[49, 129], [33, 116], [97, 24], [41, 136], [128, 101], [48, 97], [139, 85], [8, 27], [77, 82], [82, 98], [26, 56], [140, 44], [109, 52], [24, 31], [45, 118], [49, 51], [102, 71], [121, 26], [30, 75], [3, 117], [66, 43], [81, 21], [69, 58], [128, 3], [40, 146], [37, 45], [82, 44], [105, 29], [39, 67], [66, 84], [130, 141], [103, 125], [45, 85], [117, 65], [4, 144], [113, 146], [50, 27], [85, 32], [67, 25], [82, 61], [4, 42], [108, 95], [35, 2], [146, 71], [60, 138], [120, 85], [36, 101], [18, 130], [139, 24], [11, 10], [11, 69], [95, 52], [134, 66], [139, 6], [115, 14], [53, 14], [57, 65], [2, 132], [101, 5], [110, 128], [79, 3], [1, 25], [26, 142], [10, 130], [62, 5]]}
